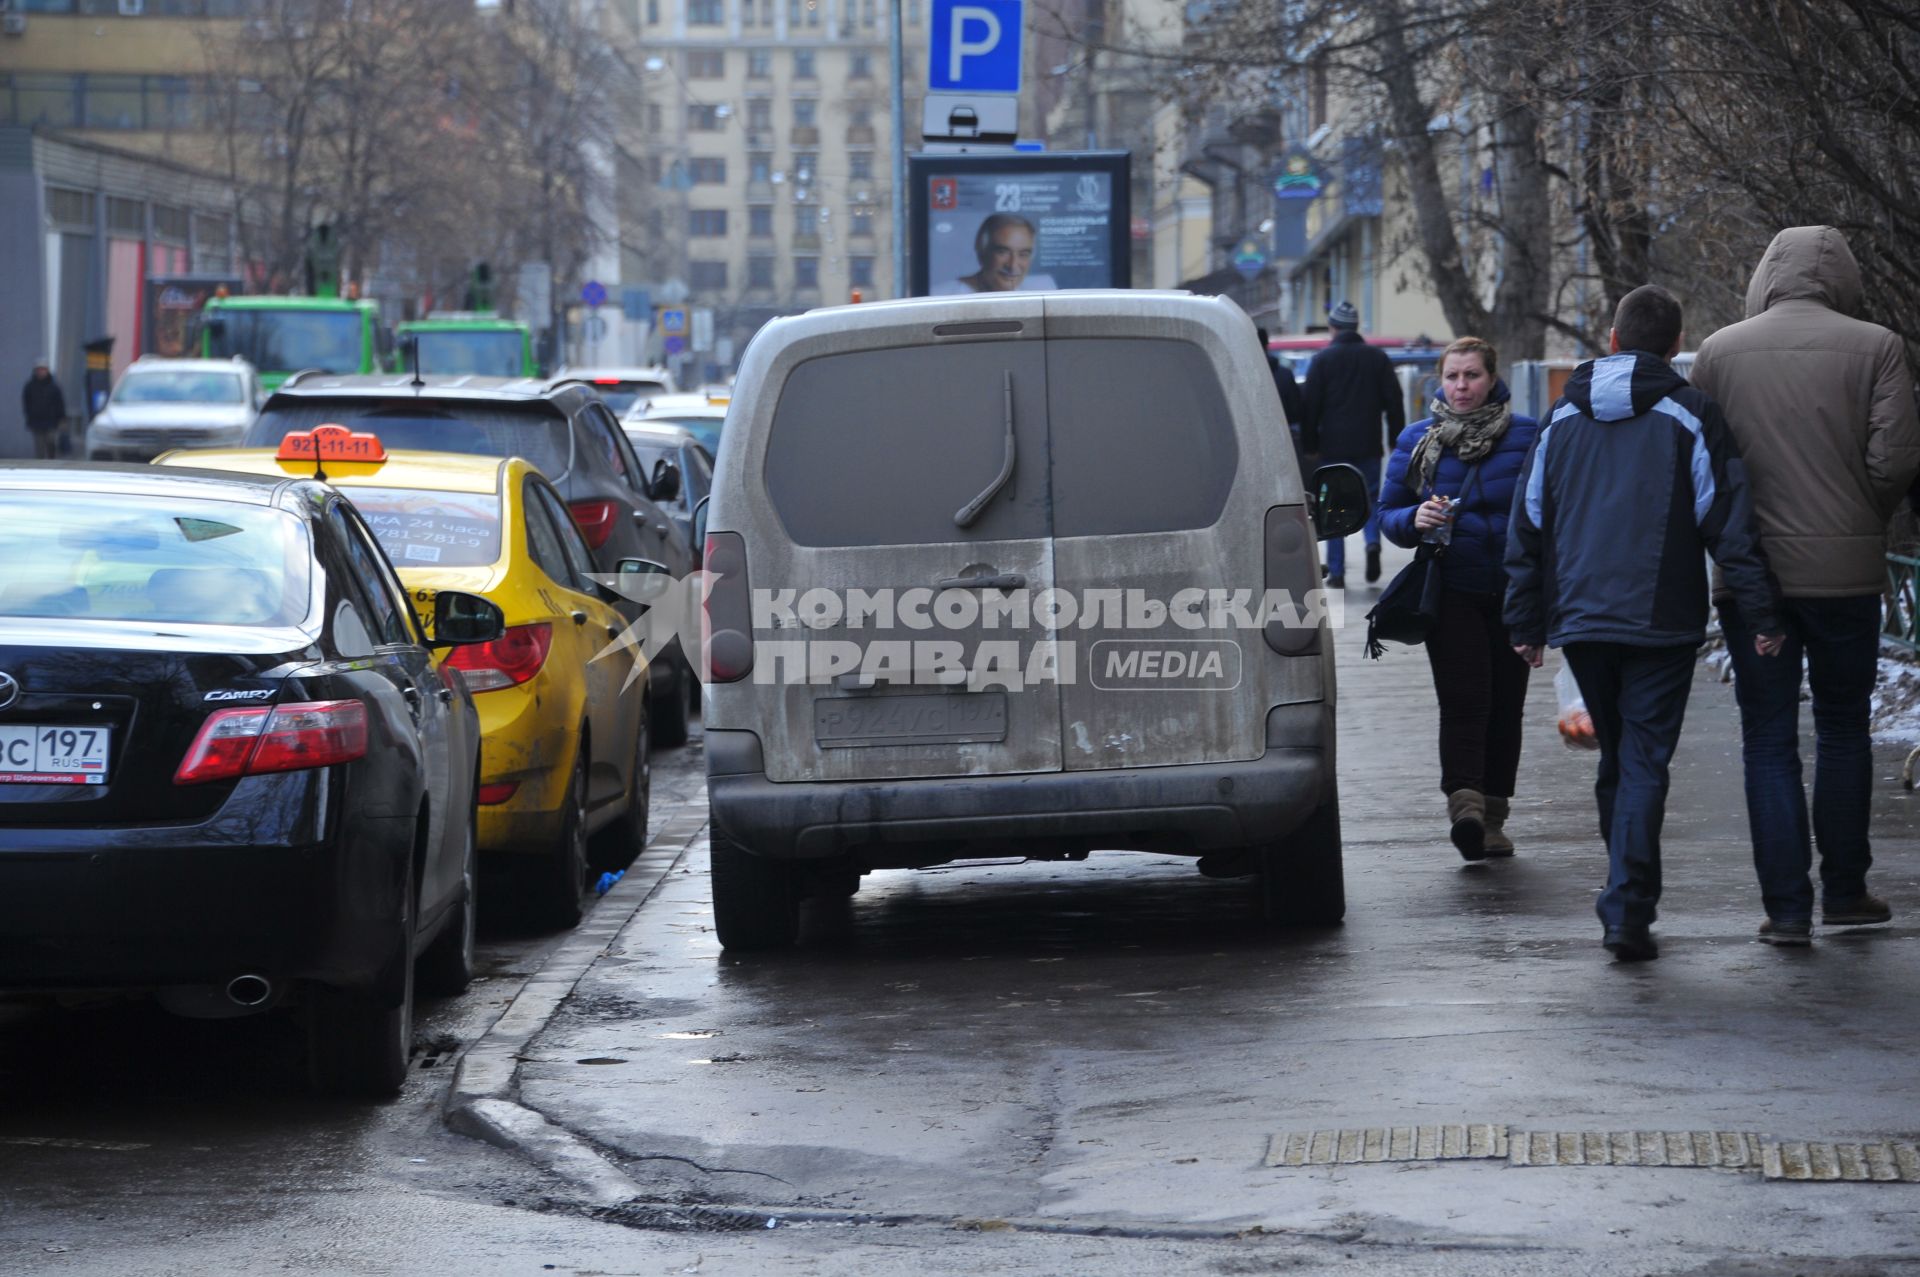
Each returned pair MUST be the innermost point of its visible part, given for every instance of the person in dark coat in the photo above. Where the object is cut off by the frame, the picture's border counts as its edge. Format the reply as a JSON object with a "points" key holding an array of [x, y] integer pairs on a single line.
{"points": [[1290, 401], [1351, 389], [1632, 482], [1452, 478], [44, 408]]}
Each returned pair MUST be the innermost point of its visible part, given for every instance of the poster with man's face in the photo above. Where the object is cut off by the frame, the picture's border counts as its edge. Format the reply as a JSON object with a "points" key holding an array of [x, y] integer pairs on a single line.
{"points": [[1017, 230]]}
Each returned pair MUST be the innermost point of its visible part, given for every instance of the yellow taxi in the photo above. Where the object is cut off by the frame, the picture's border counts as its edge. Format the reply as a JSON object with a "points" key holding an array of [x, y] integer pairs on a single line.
{"points": [[564, 776]]}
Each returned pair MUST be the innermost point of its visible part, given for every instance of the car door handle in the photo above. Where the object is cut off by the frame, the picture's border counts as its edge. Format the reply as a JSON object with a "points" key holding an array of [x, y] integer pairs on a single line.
{"points": [[412, 694], [444, 694], [579, 618], [1004, 581], [613, 631]]}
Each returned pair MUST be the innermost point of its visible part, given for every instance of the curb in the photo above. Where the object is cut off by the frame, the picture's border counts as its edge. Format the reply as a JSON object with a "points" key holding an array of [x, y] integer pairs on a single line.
{"points": [[482, 1103]]}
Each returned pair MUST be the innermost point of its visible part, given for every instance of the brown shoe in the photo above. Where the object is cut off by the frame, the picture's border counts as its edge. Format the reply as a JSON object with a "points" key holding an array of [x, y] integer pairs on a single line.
{"points": [[1786, 931], [1467, 814], [1497, 843], [1862, 911]]}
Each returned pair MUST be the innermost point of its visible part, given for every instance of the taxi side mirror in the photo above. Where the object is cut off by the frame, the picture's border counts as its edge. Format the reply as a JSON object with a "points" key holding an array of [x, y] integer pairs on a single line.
{"points": [[1339, 501], [460, 618]]}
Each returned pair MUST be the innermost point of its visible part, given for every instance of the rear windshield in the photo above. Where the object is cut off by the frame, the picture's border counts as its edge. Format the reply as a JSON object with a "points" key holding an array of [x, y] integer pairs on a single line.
{"points": [[481, 429], [705, 429], [438, 529], [477, 352], [136, 558], [620, 396]]}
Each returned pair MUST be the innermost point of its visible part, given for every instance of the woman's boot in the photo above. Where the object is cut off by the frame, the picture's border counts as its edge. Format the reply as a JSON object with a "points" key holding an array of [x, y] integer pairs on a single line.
{"points": [[1497, 843], [1467, 810]]}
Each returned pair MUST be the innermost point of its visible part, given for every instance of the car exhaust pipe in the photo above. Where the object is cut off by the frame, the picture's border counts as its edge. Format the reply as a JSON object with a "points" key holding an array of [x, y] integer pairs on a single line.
{"points": [[249, 990]]}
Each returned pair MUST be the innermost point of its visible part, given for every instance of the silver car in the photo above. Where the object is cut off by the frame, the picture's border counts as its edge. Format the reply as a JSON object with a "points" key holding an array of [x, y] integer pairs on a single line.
{"points": [[1025, 575], [160, 404]]}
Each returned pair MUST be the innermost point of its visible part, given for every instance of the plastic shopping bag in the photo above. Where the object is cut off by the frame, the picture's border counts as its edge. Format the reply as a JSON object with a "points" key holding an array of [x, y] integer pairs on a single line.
{"points": [[1576, 725]]}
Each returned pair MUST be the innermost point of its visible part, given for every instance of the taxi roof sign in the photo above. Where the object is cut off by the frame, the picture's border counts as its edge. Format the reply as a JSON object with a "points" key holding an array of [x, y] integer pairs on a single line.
{"points": [[330, 442]]}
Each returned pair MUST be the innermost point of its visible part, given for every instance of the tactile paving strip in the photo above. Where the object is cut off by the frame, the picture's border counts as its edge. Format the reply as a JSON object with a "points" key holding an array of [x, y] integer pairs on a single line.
{"points": [[1882, 1161]]}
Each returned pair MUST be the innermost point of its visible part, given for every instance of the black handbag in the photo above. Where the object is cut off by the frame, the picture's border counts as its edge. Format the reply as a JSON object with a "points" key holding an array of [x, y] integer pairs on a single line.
{"points": [[1409, 608]]}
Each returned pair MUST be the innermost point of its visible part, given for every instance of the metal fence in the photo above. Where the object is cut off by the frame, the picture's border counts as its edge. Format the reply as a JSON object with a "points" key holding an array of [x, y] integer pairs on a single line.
{"points": [[1902, 623]]}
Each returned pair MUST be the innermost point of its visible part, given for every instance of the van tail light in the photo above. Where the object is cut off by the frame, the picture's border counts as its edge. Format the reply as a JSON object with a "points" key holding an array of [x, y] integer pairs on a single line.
{"points": [[726, 646], [1293, 565], [507, 661], [595, 520], [250, 742]]}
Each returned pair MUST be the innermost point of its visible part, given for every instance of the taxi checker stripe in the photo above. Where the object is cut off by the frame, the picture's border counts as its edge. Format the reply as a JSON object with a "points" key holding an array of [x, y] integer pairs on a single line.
{"points": [[9, 689]]}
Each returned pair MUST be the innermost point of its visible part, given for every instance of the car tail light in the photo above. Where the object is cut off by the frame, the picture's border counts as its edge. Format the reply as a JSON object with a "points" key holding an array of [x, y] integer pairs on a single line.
{"points": [[495, 794], [507, 661], [727, 643], [250, 742], [595, 519]]}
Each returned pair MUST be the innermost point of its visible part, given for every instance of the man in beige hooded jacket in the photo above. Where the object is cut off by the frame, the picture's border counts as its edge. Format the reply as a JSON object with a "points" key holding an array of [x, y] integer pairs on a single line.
{"points": [[1821, 405]]}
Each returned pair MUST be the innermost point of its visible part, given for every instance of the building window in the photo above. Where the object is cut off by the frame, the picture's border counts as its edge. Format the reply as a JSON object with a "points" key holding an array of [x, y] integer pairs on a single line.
{"points": [[759, 272], [806, 272], [860, 272], [707, 221], [913, 13], [813, 13], [653, 13], [869, 18], [760, 64], [760, 114], [72, 208], [706, 13], [860, 115], [861, 67], [806, 113], [127, 217], [170, 224], [760, 220], [709, 170], [704, 117], [803, 64], [707, 277], [706, 64], [860, 165], [654, 122], [759, 166], [861, 222], [211, 244], [805, 165]]}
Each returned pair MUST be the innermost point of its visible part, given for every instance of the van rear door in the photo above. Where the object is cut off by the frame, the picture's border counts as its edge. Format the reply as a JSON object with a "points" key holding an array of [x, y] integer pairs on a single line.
{"points": [[906, 467], [1163, 471]]}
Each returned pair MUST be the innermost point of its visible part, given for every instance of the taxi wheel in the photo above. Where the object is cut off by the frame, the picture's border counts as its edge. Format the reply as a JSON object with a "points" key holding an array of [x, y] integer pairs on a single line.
{"points": [[357, 1045], [446, 968], [616, 846], [756, 901], [1302, 883], [560, 876], [673, 711]]}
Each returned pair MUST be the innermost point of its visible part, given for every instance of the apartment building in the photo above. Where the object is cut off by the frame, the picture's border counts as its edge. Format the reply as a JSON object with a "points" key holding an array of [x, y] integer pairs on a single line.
{"points": [[769, 149]]}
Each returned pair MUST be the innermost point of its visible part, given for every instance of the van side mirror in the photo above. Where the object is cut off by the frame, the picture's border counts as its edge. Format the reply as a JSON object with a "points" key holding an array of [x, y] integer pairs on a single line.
{"points": [[665, 484], [700, 529], [460, 618], [1339, 501]]}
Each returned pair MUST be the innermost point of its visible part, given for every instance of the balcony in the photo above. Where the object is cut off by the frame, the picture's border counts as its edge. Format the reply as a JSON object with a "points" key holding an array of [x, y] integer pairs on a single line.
{"points": [[860, 135], [760, 192], [808, 241], [805, 135]]}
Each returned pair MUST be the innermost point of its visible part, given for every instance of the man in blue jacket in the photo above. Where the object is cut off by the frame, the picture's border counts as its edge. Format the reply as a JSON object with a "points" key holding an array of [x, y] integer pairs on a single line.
{"points": [[1632, 481]]}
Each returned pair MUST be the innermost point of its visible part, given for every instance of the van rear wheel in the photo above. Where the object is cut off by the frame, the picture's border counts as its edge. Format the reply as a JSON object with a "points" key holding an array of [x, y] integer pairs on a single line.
{"points": [[756, 901], [1302, 883]]}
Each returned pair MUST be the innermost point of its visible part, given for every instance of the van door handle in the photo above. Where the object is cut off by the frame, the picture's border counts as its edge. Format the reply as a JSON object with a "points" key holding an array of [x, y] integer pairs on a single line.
{"points": [[1004, 581]]}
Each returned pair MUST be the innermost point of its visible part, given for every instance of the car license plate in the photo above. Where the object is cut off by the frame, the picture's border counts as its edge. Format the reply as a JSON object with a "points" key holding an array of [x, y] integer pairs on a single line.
{"points": [[953, 718], [52, 755]]}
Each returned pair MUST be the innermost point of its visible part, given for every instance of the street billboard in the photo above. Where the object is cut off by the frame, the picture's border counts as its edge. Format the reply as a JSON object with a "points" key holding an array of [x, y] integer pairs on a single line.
{"points": [[1019, 221], [173, 302]]}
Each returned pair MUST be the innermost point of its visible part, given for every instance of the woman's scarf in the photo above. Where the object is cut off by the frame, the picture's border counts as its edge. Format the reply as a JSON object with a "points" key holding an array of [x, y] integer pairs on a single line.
{"points": [[1471, 435]]}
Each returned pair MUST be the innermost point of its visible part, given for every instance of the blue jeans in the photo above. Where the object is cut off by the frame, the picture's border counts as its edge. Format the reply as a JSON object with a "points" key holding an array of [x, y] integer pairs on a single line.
{"points": [[1638, 699], [1840, 640], [1337, 549]]}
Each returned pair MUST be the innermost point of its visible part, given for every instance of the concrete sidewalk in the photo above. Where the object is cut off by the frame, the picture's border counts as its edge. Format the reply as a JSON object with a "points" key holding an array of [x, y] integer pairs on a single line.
{"points": [[1117, 1042]]}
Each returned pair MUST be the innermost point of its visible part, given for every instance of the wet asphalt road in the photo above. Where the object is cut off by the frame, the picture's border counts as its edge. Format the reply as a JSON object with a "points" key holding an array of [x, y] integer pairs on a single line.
{"points": [[1081, 1044]]}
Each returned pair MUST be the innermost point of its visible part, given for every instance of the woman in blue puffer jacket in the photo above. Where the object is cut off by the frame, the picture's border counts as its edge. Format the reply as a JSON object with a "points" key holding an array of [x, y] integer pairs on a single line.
{"points": [[1452, 478]]}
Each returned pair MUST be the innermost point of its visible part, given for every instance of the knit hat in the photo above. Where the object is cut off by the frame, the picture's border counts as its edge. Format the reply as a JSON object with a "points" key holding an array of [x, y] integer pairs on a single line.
{"points": [[41, 361], [1343, 315]]}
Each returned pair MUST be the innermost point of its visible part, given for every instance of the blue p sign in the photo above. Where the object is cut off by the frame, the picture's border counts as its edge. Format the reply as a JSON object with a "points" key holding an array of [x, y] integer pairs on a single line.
{"points": [[975, 46]]}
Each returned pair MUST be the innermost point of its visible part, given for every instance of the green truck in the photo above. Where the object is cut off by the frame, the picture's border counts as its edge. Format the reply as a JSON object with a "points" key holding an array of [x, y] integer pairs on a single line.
{"points": [[478, 344], [280, 336]]}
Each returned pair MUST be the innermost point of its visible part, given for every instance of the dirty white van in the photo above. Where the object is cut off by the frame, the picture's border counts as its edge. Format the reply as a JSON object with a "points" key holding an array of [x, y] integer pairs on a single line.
{"points": [[1026, 574]]}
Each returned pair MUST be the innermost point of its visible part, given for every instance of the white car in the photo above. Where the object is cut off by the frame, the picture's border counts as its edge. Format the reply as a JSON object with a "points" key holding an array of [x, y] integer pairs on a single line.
{"points": [[703, 414], [160, 404], [621, 387]]}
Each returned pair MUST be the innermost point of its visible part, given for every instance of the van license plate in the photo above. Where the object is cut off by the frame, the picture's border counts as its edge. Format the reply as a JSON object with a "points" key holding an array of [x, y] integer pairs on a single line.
{"points": [[953, 718], [43, 755]]}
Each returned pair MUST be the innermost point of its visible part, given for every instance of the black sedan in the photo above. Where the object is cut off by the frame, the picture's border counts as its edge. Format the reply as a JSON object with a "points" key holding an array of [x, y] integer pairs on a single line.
{"points": [[232, 774]]}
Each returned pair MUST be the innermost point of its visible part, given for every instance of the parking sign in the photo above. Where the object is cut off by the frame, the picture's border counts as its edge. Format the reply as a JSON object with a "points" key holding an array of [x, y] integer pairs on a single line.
{"points": [[975, 46]]}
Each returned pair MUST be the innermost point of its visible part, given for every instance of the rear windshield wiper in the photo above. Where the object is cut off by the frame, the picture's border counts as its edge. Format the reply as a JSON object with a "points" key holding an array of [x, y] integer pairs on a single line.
{"points": [[972, 509]]}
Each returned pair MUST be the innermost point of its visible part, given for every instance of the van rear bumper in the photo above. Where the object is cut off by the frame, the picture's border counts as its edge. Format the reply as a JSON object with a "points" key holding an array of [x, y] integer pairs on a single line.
{"points": [[1185, 809]]}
